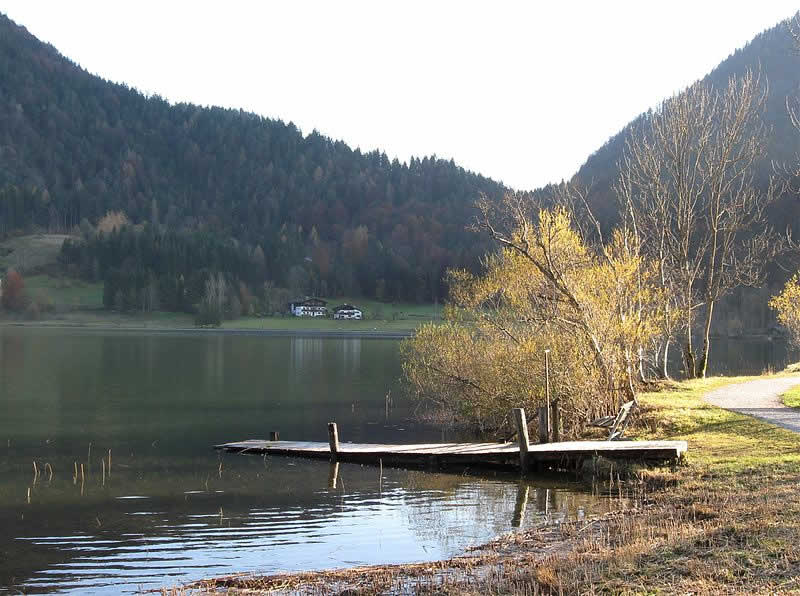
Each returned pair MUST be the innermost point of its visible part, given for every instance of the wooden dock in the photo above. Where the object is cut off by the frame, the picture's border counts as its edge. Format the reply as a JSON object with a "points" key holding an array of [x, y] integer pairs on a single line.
{"points": [[561, 455]]}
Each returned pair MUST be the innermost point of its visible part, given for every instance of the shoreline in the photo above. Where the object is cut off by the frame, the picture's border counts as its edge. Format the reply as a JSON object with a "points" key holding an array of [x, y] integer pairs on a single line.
{"points": [[153, 326], [673, 538], [509, 552], [166, 330], [274, 332]]}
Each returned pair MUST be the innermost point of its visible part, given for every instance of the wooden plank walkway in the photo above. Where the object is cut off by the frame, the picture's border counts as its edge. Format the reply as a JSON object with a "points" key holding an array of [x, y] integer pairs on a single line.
{"points": [[562, 454]]}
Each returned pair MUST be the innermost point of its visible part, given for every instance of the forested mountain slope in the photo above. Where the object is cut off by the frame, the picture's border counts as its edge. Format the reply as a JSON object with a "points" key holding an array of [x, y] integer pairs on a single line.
{"points": [[327, 218], [212, 188], [774, 56]]}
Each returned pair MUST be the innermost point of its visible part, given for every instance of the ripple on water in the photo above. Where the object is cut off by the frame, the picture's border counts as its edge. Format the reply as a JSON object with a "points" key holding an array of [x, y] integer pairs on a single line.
{"points": [[399, 525]]}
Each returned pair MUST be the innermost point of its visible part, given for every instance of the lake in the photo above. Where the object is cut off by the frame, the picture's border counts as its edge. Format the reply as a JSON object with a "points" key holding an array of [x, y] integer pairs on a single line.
{"points": [[172, 510]]}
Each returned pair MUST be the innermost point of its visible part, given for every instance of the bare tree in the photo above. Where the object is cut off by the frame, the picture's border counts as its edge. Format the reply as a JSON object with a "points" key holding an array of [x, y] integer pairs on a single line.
{"points": [[793, 105], [575, 200], [687, 179], [212, 305]]}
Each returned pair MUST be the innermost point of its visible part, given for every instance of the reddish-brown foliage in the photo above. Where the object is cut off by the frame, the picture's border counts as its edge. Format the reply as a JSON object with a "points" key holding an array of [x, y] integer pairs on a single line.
{"points": [[13, 291]]}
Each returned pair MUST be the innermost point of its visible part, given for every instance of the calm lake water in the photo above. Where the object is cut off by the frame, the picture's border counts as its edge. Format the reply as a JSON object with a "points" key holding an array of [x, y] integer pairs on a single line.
{"points": [[173, 510], [749, 356]]}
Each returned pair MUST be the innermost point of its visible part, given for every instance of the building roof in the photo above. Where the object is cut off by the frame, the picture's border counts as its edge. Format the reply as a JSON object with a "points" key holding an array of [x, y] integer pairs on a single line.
{"points": [[309, 302], [345, 307]]}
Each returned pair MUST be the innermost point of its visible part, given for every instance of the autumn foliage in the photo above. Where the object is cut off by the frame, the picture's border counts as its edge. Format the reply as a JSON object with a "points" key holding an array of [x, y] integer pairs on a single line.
{"points": [[113, 220], [787, 303], [13, 291], [594, 308]]}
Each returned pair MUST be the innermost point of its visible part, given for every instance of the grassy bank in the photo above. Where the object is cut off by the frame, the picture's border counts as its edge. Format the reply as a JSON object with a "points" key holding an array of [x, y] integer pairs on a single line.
{"points": [[76, 303], [26, 253], [726, 521], [792, 398], [64, 293], [100, 319], [67, 301]]}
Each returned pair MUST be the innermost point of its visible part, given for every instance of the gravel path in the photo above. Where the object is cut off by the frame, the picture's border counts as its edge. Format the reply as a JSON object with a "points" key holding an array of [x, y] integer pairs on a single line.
{"points": [[759, 399]]}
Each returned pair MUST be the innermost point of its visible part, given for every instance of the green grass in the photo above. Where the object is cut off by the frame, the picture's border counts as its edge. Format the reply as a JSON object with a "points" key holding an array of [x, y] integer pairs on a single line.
{"points": [[390, 311], [792, 398], [170, 320], [62, 291], [27, 253], [112, 320], [88, 300], [69, 294], [720, 441], [378, 316], [322, 324]]}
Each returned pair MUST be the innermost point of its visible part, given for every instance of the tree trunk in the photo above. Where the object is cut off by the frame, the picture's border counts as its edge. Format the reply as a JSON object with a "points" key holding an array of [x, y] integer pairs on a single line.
{"points": [[665, 361], [640, 357], [630, 390], [688, 354], [703, 364]]}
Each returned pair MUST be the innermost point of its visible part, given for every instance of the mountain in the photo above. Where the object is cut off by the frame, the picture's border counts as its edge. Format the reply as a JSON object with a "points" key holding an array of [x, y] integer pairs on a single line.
{"points": [[212, 188], [771, 53], [327, 218]]}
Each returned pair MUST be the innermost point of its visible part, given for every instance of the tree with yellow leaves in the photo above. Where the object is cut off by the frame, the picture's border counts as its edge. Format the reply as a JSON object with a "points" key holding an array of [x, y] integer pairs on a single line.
{"points": [[113, 220], [787, 303], [546, 288]]}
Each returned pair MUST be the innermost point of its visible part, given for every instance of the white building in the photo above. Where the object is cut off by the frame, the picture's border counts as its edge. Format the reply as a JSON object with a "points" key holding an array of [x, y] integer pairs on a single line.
{"points": [[347, 311], [310, 307]]}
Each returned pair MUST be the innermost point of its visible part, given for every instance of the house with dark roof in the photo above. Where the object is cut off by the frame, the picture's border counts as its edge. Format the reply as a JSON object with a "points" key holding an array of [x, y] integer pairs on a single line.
{"points": [[309, 307]]}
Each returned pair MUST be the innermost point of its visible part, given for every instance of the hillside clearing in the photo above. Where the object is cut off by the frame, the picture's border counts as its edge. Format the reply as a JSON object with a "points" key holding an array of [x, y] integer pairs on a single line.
{"points": [[30, 253]]}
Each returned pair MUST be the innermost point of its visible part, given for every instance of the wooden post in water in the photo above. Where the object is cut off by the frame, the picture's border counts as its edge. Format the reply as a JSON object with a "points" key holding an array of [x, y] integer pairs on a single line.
{"points": [[274, 435], [333, 439], [555, 420], [522, 502], [333, 474], [544, 436], [522, 435]]}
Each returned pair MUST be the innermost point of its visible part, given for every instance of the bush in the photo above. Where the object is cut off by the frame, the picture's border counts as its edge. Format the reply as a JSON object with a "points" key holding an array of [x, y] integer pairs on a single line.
{"points": [[787, 303], [14, 297]]}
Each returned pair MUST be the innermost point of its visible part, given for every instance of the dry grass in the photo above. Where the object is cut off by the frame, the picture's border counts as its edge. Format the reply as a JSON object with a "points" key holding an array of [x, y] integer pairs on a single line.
{"points": [[482, 566], [727, 521]]}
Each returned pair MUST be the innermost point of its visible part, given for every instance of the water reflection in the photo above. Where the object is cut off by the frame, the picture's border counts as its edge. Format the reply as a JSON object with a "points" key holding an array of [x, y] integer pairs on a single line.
{"points": [[744, 356], [523, 491], [172, 510], [333, 474], [256, 514]]}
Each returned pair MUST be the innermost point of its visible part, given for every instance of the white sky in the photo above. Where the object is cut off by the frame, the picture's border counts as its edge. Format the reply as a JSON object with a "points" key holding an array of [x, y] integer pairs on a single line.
{"points": [[522, 92]]}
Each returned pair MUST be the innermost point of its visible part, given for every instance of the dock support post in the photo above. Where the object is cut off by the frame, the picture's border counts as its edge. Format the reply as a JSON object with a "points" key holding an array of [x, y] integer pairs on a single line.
{"points": [[555, 420], [522, 434], [274, 435], [522, 502], [333, 438], [333, 474], [544, 435]]}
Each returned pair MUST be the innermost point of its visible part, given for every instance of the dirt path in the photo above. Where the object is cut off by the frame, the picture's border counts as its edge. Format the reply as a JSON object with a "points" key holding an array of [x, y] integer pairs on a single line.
{"points": [[759, 399]]}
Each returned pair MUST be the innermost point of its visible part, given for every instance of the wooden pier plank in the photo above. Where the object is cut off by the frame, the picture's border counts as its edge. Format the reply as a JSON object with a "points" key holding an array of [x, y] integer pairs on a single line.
{"points": [[465, 453]]}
